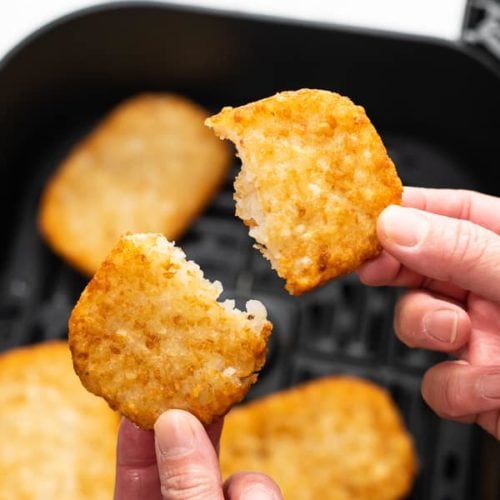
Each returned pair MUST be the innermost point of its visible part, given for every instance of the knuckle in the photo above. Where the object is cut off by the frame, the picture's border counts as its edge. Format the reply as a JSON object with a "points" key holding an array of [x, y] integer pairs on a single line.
{"points": [[187, 482], [467, 245]]}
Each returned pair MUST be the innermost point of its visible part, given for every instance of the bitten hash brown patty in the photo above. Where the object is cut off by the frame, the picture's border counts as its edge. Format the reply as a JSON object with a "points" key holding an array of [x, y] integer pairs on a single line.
{"points": [[315, 176], [148, 335]]}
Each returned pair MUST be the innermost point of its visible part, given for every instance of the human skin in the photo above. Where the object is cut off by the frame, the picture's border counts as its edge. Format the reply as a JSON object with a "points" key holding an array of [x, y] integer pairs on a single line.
{"points": [[179, 460], [444, 246]]}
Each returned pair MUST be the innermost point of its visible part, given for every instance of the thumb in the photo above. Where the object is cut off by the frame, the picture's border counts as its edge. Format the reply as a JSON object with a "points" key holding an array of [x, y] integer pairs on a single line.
{"points": [[187, 461], [443, 248]]}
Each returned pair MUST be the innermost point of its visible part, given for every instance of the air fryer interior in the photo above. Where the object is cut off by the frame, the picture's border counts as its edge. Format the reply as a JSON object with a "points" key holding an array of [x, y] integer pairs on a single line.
{"points": [[433, 103]]}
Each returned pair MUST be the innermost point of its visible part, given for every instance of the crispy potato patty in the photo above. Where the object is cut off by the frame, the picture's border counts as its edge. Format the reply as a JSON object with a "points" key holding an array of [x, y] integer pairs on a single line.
{"points": [[337, 438], [56, 440], [149, 166], [148, 334], [315, 176]]}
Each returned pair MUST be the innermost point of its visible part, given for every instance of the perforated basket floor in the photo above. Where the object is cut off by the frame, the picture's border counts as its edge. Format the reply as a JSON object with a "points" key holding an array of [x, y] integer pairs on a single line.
{"points": [[344, 327]]}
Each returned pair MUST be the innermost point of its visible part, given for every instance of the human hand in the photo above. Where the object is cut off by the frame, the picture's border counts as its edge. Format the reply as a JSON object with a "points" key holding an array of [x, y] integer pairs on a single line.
{"points": [[445, 246], [179, 460]]}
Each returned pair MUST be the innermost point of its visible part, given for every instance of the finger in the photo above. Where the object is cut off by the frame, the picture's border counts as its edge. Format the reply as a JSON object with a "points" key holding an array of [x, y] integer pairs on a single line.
{"points": [[214, 431], [136, 470], [455, 389], [251, 486], [478, 208], [429, 322], [187, 461], [443, 249], [484, 344], [382, 271], [386, 270]]}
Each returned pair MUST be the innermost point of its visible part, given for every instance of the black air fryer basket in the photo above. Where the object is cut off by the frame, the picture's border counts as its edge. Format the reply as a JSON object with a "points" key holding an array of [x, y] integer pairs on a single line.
{"points": [[436, 104]]}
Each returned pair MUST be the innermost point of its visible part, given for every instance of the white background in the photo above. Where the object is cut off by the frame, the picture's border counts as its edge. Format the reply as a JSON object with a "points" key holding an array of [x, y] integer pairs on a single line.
{"points": [[439, 18]]}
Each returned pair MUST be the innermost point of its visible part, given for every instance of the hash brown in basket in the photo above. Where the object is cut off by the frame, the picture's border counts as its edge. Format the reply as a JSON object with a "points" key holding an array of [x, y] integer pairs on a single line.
{"points": [[149, 166], [336, 438], [315, 176], [57, 441], [148, 334]]}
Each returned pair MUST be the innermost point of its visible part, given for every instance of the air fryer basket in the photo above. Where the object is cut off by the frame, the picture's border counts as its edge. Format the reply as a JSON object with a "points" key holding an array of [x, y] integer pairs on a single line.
{"points": [[435, 104]]}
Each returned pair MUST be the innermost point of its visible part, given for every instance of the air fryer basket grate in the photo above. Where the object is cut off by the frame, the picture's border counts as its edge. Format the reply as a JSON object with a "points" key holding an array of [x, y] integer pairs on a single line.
{"points": [[343, 327]]}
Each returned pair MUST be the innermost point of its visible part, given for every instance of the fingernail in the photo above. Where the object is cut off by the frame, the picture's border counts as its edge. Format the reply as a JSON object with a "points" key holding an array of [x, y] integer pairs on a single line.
{"points": [[174, 434], [441, 325], [403, 226], [257, 492], [489, 386]]}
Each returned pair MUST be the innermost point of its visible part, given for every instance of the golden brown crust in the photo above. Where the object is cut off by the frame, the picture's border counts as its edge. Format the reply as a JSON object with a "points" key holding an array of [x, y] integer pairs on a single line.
{"points": [[148, 334], [337, 438], [56, 439], [315, 177], [150, 165]]}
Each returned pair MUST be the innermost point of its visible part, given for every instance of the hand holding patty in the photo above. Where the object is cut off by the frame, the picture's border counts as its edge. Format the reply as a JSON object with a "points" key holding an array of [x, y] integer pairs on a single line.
{"points": [[179, 461], [445, 246]]}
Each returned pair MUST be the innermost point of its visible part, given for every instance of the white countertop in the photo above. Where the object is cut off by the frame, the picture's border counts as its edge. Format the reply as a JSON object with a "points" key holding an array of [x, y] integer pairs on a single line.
{"points": [[436, 18]]}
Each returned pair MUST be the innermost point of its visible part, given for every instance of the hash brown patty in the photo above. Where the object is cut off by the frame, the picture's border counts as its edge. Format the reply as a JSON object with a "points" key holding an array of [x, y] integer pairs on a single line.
{"points": [[336, 438], [148, 335], [315, 176], [149, 166], [57, 441]]}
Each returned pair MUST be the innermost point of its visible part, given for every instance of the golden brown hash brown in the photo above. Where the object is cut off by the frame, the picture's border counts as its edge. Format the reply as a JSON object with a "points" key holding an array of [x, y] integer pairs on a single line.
{"points": [[57, 440], [150, 165], [148, 334], [315, 176], [336, 438]]}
